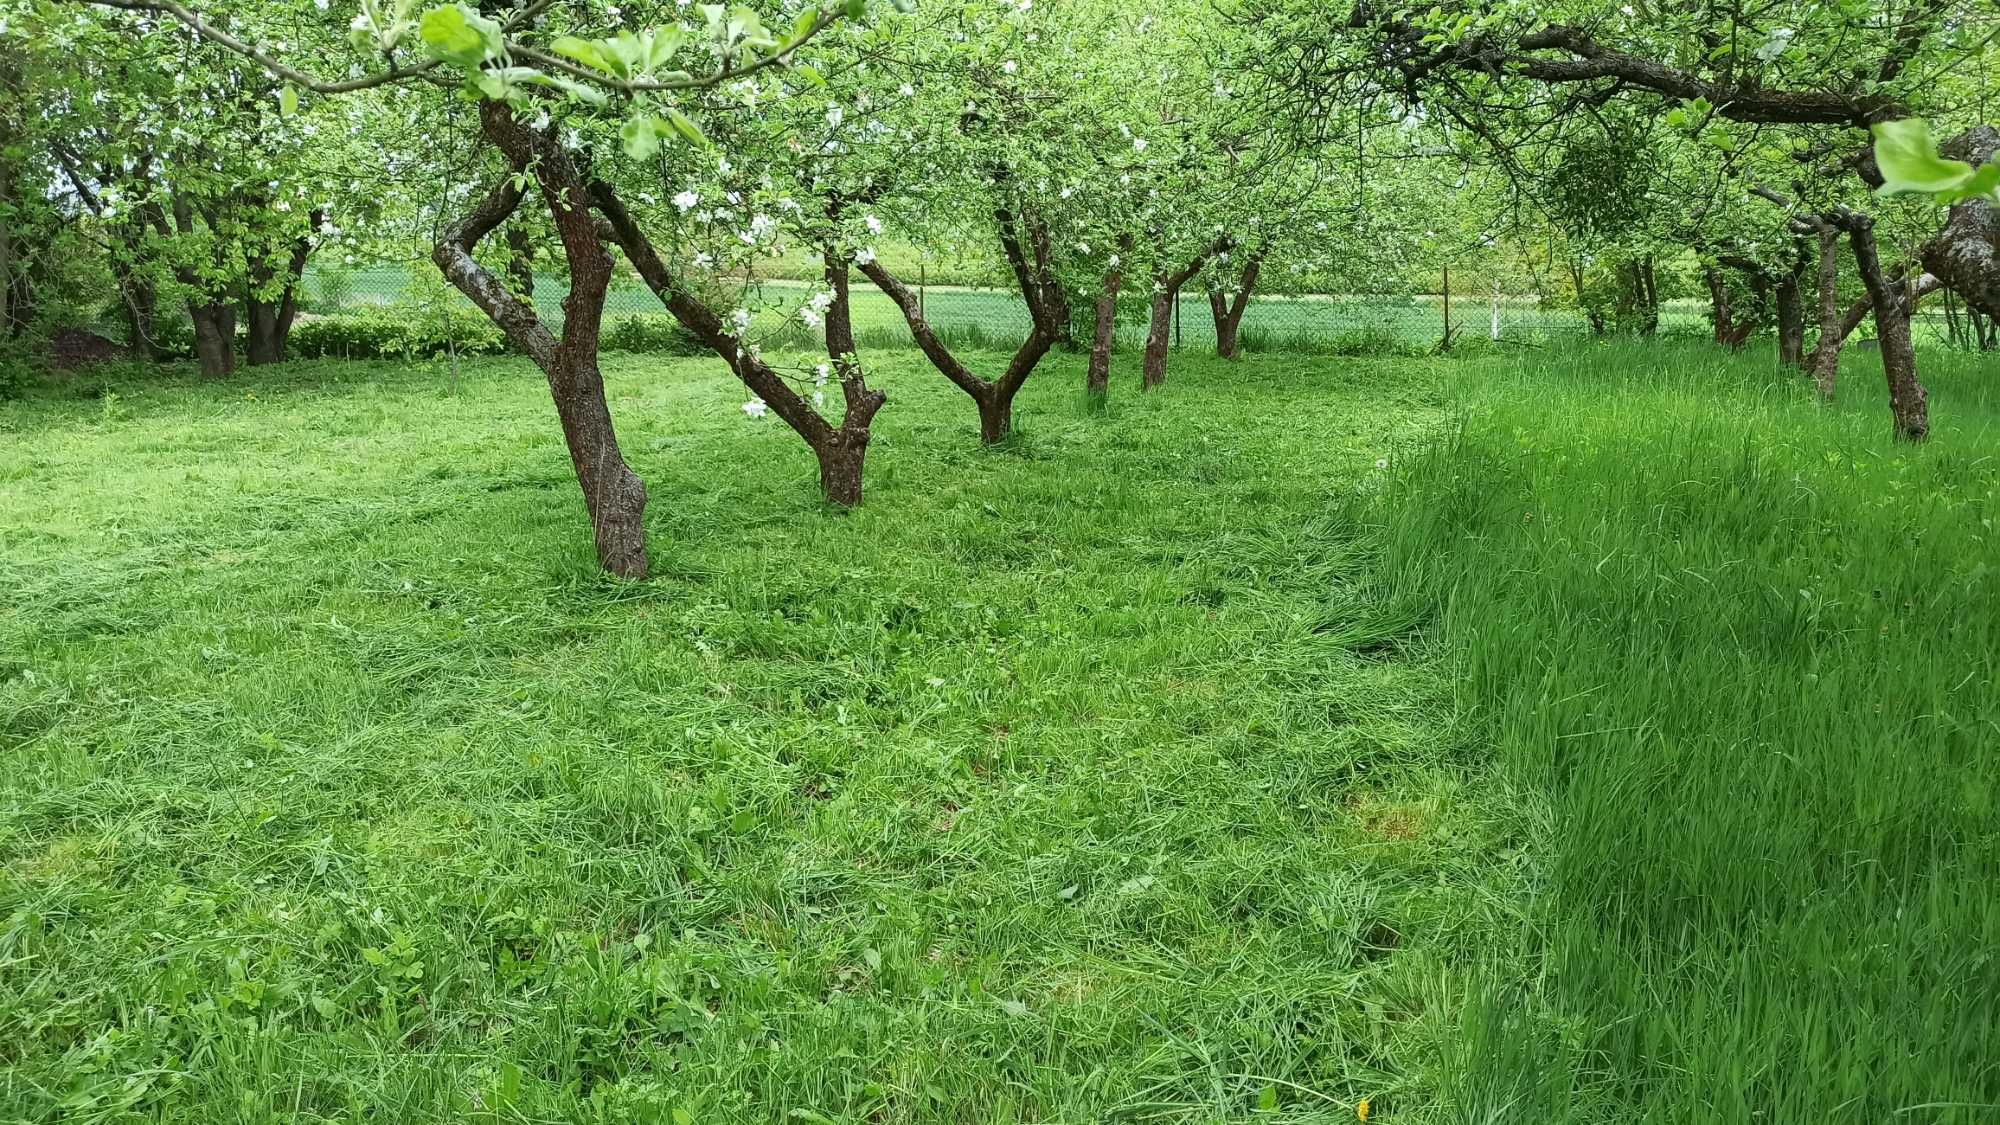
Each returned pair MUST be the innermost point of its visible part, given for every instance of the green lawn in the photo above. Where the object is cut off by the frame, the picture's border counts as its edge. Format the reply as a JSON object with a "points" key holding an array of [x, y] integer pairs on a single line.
{"points": [[1625, 750]]}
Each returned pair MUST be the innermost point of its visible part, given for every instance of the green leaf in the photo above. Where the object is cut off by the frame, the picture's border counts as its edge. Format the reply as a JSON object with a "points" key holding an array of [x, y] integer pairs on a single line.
{"points": [[1910, 163], [459, 35], [641, 136], [662, 46], [856, 9], [1267, 1100], [1985, 181], [578, 90], [582, 51], [687, 129], [288, 102], [456, 34]]}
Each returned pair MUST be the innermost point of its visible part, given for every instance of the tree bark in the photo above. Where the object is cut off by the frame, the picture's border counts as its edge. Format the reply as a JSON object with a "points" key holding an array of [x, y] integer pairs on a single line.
{"points": [[994, 398], [843, 451], [271, 317], [1166, 292], [214, 337], [1097, 376], [1153, 366], [10, 295], [1907, 399], [840, 451], [1227, 309], [1791, 319], [1639, 296], [1824, 362], [212, 312], [613, 495], [1722, 327], [263, 343], [1965, 254]]}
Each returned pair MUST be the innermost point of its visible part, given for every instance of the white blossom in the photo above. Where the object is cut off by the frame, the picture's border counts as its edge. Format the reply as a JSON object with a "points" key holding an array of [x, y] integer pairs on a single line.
{"points": [[755, 408]]}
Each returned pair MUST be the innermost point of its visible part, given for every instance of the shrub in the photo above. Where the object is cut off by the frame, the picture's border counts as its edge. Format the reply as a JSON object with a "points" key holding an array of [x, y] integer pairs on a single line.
{"points": [[17, 369], [651, 332], [385, 336]]}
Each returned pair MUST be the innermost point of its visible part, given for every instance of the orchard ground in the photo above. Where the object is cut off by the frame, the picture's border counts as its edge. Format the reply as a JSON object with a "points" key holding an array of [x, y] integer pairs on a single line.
{"points": [[1623, 748]]}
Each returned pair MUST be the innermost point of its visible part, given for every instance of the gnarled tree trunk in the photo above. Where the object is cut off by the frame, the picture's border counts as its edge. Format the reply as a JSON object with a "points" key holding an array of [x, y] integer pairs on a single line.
{"points": [[612, 492], [1638, 296], [1166, 293], [1907, 400], [1965, 254], [1722, 324], [1791, 318], [1026, 243], [1153, 363], [1824, 362], [1097, 376], [270, 317], [214, 337], [840, 450], [1227, 309]]}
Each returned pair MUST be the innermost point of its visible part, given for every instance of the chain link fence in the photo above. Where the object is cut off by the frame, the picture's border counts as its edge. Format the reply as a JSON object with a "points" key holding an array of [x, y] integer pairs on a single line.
{"points": [[973, 316]]}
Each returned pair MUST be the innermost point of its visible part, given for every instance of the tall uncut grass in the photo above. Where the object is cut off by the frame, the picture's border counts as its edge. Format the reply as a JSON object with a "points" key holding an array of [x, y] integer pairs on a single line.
{"points": [[1735, 657]]}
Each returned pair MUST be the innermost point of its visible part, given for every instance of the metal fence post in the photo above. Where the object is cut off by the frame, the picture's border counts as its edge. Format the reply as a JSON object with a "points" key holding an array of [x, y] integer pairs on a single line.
{"points": [[1446, 344]]}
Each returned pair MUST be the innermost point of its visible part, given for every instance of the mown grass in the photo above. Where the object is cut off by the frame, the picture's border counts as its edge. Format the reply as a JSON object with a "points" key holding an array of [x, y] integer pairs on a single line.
{"points": [[337, 785], [1735, 659], [1624, 752]]}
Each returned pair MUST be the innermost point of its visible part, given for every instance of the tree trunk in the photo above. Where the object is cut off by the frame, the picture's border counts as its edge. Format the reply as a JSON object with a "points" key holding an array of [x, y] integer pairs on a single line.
{"points": [[1907, 400], [8, 298], [1227, 309], [996, 414], [1966, 252], [270, 315], [613, 495], [1825, 361], [1638, 297], [214, 337], [840, 465], [995, 399], [1097, 377], [1721, 327], [1166, 296], [843, 451], [264, 342], [840, 451], [141, 303], [1791, 320], [1153, 368]]}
